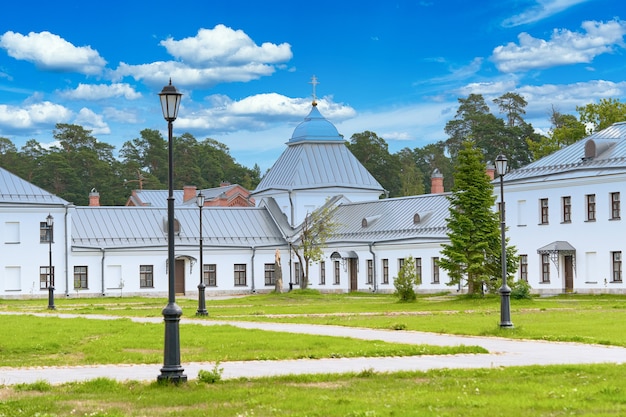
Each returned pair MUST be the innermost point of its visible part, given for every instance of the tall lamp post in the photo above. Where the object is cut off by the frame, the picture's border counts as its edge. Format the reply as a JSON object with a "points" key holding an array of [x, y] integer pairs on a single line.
{"points": [[505, 290], [201, 300], [50, 224], [171, 370]]}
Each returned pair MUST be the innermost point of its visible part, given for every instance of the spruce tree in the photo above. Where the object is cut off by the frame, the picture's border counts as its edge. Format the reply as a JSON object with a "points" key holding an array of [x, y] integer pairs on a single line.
{"points": [[474, 250]]}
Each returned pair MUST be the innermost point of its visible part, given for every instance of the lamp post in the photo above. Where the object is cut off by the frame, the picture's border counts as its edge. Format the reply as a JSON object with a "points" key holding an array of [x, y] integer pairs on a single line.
{"points": [[201, 300], [50, 224], [505, 291], [172, 370]]}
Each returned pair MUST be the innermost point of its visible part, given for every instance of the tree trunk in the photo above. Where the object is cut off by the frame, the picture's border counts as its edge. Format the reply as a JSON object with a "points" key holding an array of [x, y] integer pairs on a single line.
{"points": [[278, 274]]}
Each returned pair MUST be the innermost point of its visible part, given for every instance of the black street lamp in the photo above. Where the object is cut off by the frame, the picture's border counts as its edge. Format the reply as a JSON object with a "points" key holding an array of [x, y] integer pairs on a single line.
{"points": [[201, 300], [50, 224], [505, 290], [172, 370]]}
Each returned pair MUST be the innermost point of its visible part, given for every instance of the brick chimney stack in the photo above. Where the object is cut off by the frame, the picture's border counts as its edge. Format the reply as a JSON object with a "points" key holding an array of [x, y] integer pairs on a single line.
{"points": [[491, 171], [94, 198], [189, 192], [436, 182]]}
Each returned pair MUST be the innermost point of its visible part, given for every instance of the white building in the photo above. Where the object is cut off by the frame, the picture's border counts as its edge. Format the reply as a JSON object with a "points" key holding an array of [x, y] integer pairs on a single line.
{"points": [[563, 216]]}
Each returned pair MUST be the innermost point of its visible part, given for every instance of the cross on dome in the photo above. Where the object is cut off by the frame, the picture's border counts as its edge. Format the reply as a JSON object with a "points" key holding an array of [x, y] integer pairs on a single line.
{"points": [[314, 82]]}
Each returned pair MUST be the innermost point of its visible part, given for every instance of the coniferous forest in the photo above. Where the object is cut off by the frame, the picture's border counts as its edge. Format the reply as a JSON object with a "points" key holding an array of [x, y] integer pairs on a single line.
{"points": [[81, 162]]}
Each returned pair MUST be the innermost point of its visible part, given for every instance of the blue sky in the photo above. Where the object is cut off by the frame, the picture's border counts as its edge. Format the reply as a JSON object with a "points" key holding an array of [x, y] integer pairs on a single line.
{"points": [[395, 68]]}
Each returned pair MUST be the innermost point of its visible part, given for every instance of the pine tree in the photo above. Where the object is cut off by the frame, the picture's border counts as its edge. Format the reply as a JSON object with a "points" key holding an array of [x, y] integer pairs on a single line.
{"points": [[474, 228]]}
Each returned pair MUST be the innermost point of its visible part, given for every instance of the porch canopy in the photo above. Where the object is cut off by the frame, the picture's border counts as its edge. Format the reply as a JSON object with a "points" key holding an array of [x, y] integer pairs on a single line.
{"points": [[557, 248], [344, 255]]}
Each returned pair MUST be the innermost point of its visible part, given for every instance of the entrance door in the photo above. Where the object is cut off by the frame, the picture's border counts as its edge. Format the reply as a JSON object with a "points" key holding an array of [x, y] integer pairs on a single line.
{"points": [[354, 285], [179, 281], [569, 273]]}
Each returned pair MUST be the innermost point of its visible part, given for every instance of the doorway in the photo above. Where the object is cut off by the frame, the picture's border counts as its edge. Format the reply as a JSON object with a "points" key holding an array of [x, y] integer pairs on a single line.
{"points": [[352, 271], [179, 277], [569, 273]]}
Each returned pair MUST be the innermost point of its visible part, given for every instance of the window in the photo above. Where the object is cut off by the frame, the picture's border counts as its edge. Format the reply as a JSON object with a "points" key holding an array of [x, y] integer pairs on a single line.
{"points": [[370, 272], [545, 268], [591, 207], [12, 232], [45, 233], [385, 271], [270, 274], [523, 267], [567, 209], [297, 272], [400, 264], [46, 278], [543, 203], [209, 275], [80, 277], [322, 273], [240, 275], [337, 273], [418, 270], [146, 276], [435, 270], [615, 208], [617, 266]]}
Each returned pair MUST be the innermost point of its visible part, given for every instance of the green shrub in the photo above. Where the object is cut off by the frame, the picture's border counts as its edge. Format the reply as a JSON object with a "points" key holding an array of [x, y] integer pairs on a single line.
{"points": [[520, 290], [212, 376], [406, 281]]}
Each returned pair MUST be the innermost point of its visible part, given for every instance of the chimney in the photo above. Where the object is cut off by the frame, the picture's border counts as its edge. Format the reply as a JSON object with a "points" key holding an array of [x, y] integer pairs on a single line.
{"points": [[189, 192], [224, 184], [491, 171], [436, 182], [94, 198]]}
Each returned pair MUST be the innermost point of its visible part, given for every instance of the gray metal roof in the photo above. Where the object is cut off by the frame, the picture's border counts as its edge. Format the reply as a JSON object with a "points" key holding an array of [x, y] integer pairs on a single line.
{"points": [[310, 165], [415, 217], [317, 157], [14, 190], [123, 227], [609, 143]]}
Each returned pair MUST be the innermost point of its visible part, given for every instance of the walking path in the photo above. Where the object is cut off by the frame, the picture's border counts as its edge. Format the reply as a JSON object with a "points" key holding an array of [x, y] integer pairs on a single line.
{"points": [[502, 352]]}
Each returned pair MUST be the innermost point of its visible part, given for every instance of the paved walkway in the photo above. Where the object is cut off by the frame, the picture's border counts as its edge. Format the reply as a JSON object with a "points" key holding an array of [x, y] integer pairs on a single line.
{"points": [[502, 352]]}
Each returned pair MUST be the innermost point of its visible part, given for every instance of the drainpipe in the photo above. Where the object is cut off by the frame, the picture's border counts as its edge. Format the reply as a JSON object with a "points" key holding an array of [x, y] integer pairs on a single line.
{"points": [[102, 271], [252, 272], [373, 265], [291, 221], [290, 269], [68, 245]]}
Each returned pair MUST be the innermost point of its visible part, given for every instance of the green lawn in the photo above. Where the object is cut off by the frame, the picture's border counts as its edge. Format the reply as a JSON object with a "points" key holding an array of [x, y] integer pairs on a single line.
{"points": [[586, 390], [512, 392]]}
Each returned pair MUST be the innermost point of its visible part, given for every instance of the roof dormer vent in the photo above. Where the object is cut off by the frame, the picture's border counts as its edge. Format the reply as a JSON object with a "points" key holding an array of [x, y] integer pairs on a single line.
{"points": [[594, 149], [368, 221]]}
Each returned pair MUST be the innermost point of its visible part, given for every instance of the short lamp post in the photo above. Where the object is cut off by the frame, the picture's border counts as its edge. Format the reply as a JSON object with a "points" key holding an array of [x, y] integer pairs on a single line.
{"points": [[172, 370], [505, 290], [50, 225], [202, 311]]}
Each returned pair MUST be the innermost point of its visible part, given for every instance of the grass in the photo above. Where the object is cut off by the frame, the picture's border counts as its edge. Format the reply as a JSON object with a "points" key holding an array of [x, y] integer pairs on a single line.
{"points": [[55, 341], [512, 392], [585, 390]]}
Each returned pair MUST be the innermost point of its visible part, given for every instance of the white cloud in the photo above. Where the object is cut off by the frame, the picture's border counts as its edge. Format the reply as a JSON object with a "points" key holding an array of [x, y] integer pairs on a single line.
{"points": [[563, 48], [158, 73], [51, 52], [92, 121], [101, 91], [258, 112], [543, 9], [223, 46], [213, 56], [33, 115]]}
